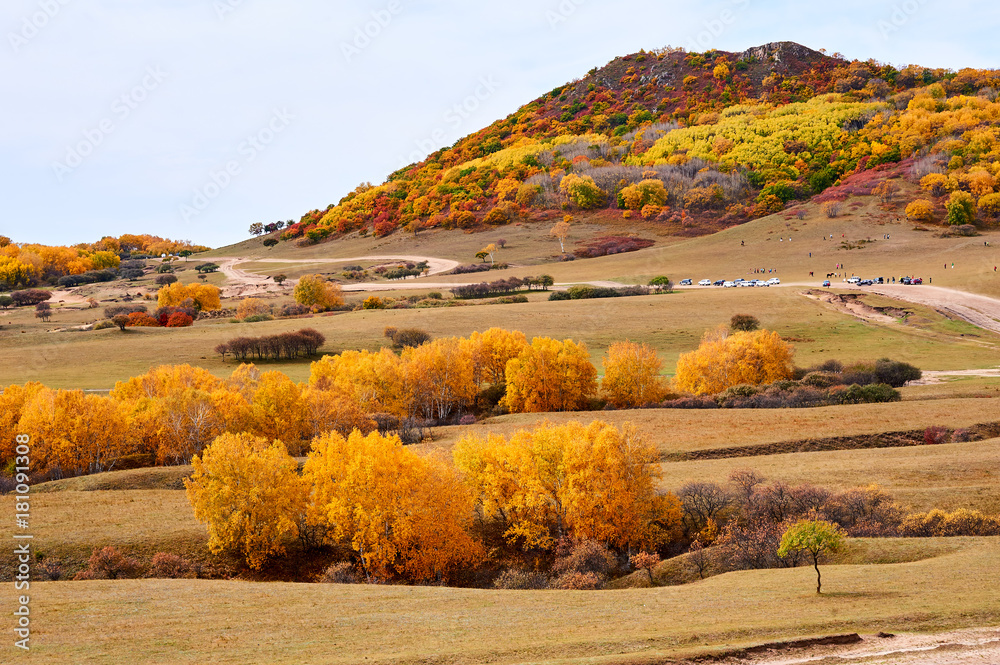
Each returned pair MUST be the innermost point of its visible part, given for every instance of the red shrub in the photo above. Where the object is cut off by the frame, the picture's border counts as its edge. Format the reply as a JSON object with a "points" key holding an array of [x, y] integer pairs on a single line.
{"points": [[179, 320]]}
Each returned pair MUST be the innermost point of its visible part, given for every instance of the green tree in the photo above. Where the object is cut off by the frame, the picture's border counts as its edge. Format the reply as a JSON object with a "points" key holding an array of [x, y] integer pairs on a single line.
{"points": [[961, 208], [817, 537]]}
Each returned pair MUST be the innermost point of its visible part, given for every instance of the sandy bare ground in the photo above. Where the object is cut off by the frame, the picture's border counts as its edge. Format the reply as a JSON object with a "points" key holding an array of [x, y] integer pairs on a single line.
{"points": [[961, 647], [981, 311], [245, 283]]}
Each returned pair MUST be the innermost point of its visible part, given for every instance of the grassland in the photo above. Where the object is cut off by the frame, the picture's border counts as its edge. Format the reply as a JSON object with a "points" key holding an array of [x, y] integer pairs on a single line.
{"points": [[182, 621]]}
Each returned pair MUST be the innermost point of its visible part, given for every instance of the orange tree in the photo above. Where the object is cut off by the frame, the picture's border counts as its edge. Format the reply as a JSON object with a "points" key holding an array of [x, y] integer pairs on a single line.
{"points": [[724, 360], [399, 512], [249, 495], [632, 375], [550, 375]]}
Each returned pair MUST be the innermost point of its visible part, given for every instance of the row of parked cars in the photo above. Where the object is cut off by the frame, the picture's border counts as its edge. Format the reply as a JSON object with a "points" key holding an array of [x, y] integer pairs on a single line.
{"points": [[879, 280], [774, 281]]}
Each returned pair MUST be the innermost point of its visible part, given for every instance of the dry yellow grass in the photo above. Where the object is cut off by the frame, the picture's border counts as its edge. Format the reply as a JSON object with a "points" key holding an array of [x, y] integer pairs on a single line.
{"points": [[949, 476], [194, 621], [681, 430]]}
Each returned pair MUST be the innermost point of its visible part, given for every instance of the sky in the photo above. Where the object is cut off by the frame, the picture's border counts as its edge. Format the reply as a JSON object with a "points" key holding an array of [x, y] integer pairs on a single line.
{"points": [[192, 119]]}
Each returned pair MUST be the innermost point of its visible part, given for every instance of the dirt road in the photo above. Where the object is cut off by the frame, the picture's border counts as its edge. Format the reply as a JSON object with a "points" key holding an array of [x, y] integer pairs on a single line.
{"points": [[978, 310], [961, 647], [245, 283]]}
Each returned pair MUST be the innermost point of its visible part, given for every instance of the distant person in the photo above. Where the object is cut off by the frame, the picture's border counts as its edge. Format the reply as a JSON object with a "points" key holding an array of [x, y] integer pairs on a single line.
{"points": [[952, 265], [742, 244], [810, 255]]}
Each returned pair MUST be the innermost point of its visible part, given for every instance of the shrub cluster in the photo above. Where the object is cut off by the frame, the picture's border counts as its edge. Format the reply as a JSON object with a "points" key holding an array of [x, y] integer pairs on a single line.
{"points": [[787, 395], [962, 522], [111, 311], [293, 309], [883, 370], [163, 315], [472, 268], [89, 277], [406, 337], [489, 289], [31, 297], [586, 292], [284, 345], [607, 245]]}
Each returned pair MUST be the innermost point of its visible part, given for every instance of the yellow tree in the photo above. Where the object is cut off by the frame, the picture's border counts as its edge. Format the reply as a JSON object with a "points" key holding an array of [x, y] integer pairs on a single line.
{"points": [[439, 375], [610, 493], [724, 360], [277, 409], [201, 296], [332, 410], [248, 493], [376, 380], [491, 351], [632, 375], [592, 481], [550, 375], [561, 231], [12, 401], [75, 433], [399, 512], [315, 292]]}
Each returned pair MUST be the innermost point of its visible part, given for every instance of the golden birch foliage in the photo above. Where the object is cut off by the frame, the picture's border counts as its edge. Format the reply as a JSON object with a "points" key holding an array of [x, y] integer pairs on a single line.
{"points": [[12, 401], [376, 380], [570, 480], [314, 291], [440, 376], [277, 409], [550, 375], [204, 296], [724, 360], [610, 493], [74, 432], [400, 512], [491, 351], [163, 380], [632, 375], [332, 411], [248, 493], [252, 307]]}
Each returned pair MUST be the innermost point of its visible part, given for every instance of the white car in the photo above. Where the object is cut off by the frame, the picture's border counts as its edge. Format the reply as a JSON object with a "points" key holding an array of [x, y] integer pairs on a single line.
{"points": [[853, 280], [705, 282], [728, 285], [774, 281]]}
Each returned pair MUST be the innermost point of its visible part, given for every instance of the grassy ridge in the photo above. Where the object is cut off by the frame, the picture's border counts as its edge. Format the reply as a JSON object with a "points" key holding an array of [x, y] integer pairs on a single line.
{"points": [[165, 621]]}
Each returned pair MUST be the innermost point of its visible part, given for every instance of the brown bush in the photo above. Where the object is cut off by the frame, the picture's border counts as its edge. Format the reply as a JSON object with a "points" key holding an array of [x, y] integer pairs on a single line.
{"points": [[341, 572], [109, 564], [520, 580], [577, 582], [935, 434], [171, 566], [584, 557]]}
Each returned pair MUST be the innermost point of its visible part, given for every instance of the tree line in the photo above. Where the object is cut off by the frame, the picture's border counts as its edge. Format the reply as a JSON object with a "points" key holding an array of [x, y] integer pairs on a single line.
{"points": [[289, 345]]}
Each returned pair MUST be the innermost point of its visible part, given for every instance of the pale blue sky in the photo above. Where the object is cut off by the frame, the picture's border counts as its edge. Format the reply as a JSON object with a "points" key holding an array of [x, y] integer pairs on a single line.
{"points": [[123, 115]]}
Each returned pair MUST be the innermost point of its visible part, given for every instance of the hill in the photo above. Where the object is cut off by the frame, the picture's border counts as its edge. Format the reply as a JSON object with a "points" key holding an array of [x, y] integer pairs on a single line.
{"points": [[691, 143]]}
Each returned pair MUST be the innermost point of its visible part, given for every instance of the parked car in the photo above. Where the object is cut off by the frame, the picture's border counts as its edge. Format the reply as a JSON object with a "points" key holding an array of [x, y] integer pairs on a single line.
{"points": [[904, 280], [917, 280], [705, 282], [774, 281], [686, 282], [826, 283], [865, 282], [853, 280], [728, 285], [719, 282]]}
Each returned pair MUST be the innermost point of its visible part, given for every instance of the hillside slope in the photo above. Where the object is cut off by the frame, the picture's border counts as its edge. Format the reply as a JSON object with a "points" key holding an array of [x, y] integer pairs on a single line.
{"points": [[690, 142]]}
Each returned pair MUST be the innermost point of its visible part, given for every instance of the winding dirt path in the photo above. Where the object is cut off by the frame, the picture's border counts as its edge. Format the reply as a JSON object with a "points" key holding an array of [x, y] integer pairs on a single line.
{"points": [[245, 283], [959, 647], [981, 311]]}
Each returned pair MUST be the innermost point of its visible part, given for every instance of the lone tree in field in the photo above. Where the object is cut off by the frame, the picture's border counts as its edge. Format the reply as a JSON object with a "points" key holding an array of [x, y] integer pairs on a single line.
{"points": [[818, 537], [279, 279], [121, 321], [43, 311], [561, 231]]}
